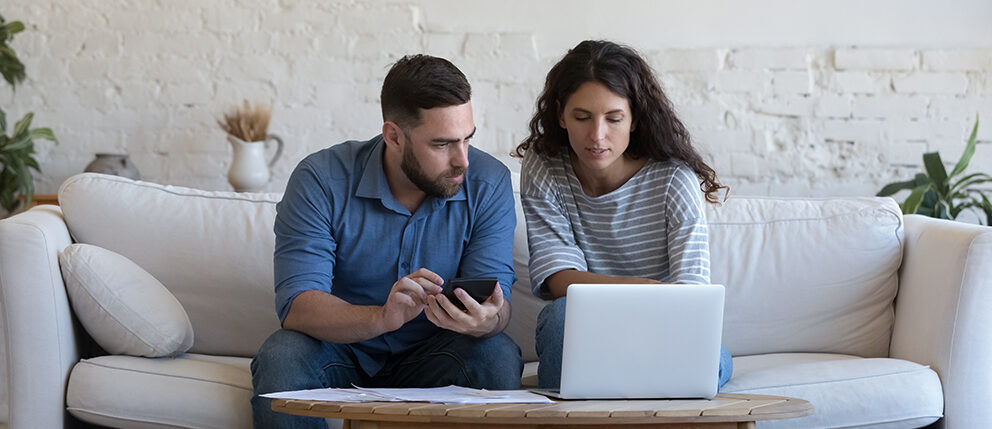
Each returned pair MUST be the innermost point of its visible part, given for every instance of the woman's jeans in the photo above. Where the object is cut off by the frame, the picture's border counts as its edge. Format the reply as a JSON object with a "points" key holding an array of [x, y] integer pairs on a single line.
{"points": [[289, 360], [551, 334]]}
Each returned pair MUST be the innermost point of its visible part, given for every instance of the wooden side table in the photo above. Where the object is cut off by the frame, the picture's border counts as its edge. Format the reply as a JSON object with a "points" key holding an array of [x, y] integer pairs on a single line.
{"points": [[726, 410]]}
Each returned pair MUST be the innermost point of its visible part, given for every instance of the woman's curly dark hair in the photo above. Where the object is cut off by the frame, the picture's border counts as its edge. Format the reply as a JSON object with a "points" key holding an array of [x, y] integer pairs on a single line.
{"points": [[658, 134]]}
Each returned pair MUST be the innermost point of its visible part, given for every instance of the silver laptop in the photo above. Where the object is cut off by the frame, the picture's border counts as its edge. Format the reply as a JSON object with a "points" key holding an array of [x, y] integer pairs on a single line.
{"points": [[641, 341]]}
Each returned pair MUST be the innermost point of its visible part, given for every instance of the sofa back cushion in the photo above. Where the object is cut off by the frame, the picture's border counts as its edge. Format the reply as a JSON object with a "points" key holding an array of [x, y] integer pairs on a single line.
{"points": [[212, 250], [807, 275], [526, 306], [802, 275]]}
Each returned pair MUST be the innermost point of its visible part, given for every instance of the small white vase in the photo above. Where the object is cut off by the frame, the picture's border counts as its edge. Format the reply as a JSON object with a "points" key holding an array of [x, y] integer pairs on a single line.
{"points": [[249, 172]]}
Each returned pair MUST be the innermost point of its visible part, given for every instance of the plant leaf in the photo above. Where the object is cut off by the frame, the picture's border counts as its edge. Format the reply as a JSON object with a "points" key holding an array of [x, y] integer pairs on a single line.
{"points": [[32, 163], [12, 73], [11, 64], [3, 121], [987, 208], [7, 191], [22, 125], [20, 143], [979, 192], [943, 210], [962, 182], [956, 211], [13, 77], [969, 151], [25, 182], [935, 169], [9, 57], [930, 199], [42, 133], [912, 203], [965, 187], [982, 204], [894, 187], [9, 188], [14, 27]]}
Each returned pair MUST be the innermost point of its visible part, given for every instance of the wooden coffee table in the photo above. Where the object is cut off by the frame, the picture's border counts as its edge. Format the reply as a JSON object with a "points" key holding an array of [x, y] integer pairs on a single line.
{"points": [[726, 410]]}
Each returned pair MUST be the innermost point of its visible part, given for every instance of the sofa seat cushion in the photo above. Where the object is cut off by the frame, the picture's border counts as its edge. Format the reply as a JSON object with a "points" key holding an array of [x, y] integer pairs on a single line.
{"points": [[846, 391], [186, 391]]}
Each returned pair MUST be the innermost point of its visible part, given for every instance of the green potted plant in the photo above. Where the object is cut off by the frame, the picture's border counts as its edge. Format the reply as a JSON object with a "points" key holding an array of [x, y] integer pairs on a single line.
{"points": [[16, 150], [936, 193]]}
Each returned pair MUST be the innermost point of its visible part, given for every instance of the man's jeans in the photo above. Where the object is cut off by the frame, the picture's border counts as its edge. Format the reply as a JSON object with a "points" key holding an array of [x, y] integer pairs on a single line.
{"points": [[551, 334], [289, 360]]}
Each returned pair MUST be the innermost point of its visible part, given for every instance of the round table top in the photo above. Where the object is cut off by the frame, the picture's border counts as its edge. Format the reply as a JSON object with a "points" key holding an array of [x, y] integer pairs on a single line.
{"points": [[725, 407]]}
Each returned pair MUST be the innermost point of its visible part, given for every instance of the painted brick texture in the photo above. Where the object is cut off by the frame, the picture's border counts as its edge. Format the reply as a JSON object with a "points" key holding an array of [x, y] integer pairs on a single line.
{"points": [[150, 79]]}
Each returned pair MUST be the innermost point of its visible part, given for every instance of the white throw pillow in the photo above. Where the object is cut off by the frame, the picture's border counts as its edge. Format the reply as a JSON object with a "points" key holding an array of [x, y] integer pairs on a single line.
{"points": [[125, 309]]}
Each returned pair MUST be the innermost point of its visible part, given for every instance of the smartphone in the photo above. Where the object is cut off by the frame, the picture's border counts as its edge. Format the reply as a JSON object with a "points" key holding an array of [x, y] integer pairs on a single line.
{"points": [[479, 288]]}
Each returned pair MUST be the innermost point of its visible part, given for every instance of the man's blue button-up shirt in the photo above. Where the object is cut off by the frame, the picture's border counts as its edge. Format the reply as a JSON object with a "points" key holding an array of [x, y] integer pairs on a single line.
{"points": [[339, 230]]}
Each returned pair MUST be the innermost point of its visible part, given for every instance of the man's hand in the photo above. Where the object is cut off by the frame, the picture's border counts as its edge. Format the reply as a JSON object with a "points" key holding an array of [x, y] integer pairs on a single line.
{"points": [[477, 320], [408, 297]]}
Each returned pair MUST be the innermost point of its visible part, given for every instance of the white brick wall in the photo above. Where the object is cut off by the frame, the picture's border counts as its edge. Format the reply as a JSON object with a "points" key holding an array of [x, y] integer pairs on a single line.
{"points": [[875, 59], [957, 60], [683, 60], [768, 58], [150, 80], [931, 83], [842, 82], [890, 106]]}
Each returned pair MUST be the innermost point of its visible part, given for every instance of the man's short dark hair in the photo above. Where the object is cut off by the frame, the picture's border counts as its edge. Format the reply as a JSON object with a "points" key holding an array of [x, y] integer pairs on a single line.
{"points": [[421, 82]]}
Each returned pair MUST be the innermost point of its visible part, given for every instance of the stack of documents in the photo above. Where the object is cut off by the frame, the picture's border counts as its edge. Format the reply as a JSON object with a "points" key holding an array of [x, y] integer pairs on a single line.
{"points": [[447, 395]]}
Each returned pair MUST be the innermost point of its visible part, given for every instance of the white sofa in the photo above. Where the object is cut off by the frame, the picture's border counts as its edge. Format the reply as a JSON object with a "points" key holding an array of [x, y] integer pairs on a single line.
{"points": [[813, 310]]}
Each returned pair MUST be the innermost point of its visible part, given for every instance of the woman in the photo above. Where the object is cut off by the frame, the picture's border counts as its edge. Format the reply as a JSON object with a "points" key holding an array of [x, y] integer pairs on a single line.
{"points": [[610, 187]]}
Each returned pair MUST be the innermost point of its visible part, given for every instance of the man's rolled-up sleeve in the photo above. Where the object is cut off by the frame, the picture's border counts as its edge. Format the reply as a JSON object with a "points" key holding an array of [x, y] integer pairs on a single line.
{"points": [[304, 248]]}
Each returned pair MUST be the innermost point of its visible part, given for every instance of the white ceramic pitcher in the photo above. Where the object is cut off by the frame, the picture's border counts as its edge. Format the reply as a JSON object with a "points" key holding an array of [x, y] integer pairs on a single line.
{"points": [[249, 172]]}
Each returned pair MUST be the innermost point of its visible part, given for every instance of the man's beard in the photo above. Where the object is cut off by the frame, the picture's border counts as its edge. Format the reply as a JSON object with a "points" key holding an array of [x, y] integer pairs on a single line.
{"points": [[438, 188]]}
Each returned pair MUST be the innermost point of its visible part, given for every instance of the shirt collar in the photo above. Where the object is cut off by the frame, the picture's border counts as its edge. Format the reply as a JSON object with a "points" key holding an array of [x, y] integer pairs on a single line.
{"points": [[373, 183]]}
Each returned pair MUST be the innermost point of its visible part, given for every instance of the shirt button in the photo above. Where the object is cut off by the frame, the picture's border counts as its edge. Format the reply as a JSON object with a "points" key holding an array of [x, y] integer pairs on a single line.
{"points": [[405, 267]]}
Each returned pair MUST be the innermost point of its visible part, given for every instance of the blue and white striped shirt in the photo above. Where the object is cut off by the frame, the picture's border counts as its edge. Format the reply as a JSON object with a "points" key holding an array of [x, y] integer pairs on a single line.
{"points": [[653, 226]]}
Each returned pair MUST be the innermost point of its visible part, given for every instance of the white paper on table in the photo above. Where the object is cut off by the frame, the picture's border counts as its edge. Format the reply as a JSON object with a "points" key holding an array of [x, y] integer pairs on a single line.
{"points": [[448, 395]]}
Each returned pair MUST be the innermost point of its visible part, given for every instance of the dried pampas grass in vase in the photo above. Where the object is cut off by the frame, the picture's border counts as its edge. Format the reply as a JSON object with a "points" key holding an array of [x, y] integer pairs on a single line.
{"points": [[248, 122], [247, 128]]}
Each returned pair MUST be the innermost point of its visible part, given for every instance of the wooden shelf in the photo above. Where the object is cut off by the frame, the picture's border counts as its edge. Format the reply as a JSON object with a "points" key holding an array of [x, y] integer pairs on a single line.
{"points": [[40, 199]]}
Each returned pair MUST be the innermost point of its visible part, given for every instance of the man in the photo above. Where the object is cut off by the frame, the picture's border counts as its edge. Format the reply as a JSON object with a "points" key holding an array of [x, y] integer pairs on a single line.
{"points": [[366, 234]]}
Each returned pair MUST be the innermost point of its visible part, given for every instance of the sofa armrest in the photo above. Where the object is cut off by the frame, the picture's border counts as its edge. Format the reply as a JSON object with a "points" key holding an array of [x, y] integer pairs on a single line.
{"points": [[41, 337], [943, 316]]}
